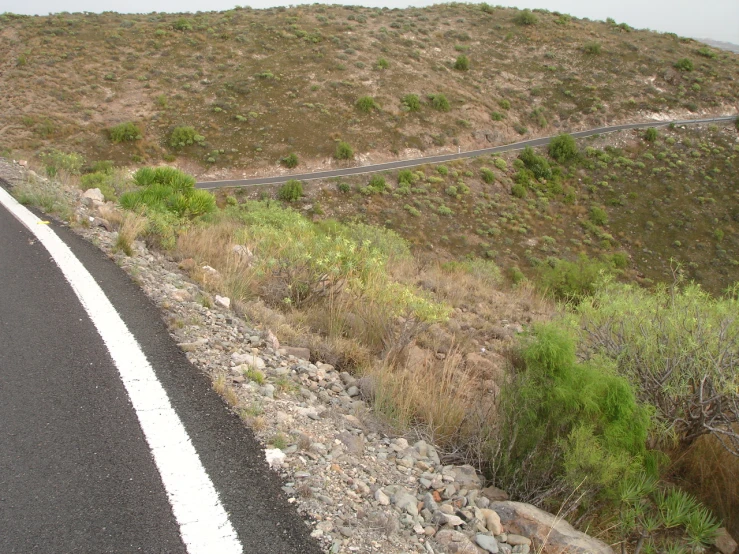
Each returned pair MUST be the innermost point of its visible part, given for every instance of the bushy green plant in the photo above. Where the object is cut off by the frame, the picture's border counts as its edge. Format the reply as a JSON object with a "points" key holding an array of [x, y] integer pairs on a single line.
{"points": [[572, 281], [405, 177], [182, 24], [592, 48], [526, 17], [344, 151], [382, 63], [56, 160], [462, 63], [99, 180], [518, 190], [439, 102], [487, 175], [184, 136], [377, 183], [167, 190], [504, 104], [291, 191], [684, 64], [677, 344], [538, 165], [563, 148], [411, 102], [290, 161], [366, 104], [598, 216], [567, 425], [497, 116], [500, 163], [124, 132], [651, 134]]}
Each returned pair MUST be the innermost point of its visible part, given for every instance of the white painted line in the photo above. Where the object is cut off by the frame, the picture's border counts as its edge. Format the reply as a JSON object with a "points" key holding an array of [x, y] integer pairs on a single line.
{"points": [[204, 524]]}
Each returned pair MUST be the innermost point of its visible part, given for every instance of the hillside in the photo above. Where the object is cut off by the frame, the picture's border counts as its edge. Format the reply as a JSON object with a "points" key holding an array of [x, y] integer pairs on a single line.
{"points": [[256, 85]]}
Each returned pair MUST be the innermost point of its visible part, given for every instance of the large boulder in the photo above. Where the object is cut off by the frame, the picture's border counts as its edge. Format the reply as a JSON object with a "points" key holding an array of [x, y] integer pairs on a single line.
{"points": [[554, 534]]}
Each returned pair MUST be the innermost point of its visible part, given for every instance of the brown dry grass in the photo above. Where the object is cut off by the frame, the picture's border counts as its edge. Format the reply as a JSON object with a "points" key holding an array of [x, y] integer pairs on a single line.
{"points": [[131, 227]]}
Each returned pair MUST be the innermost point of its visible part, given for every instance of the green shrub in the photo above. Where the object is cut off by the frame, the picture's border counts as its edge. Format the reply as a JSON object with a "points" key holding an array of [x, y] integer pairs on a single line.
{"points": [[124, 132], [500, 163], [526, 17], [366, 104], [185, 136], [651, 134], [487, 175], [382, 63], [679, 345], [167, 190], [504, 104], [439, 102], [405, 177], [344, 187], [462, 63], [598, 216], [684, 64], [291, 191], [572, 281], [411, 102], [344, 151], [377, 183], [706, 52], [592, 48], [497, 116], [442, 170], [99, 180], [182, 24], [290, 161], [538, 165], [518, 190], [563, 148], [56, 161], [568, 426]]}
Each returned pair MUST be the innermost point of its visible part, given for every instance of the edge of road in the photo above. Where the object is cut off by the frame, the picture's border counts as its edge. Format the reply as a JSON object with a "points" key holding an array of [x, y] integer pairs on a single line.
{"points": [[440, 158]]}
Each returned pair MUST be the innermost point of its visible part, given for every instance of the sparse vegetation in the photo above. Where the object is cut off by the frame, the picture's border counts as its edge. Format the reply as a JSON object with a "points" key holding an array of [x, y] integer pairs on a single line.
{"points": [[344, 151], [290, 161], [185, 136], [439, 102], [290, 191], [125, 132], [462, 63]]}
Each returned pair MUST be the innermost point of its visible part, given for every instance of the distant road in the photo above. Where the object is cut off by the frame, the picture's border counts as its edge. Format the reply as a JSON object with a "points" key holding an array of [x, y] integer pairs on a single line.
{"points": [[279, 179]]}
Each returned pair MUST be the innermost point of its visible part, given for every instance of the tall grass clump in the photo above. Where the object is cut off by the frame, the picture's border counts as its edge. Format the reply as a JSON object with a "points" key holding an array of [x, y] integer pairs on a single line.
{"points": [[166, 189]]}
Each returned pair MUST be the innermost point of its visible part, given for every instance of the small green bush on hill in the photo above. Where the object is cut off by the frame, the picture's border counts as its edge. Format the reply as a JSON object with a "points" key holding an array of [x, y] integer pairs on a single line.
{"points": [[290, 191], [125, 132], [185, 136]]}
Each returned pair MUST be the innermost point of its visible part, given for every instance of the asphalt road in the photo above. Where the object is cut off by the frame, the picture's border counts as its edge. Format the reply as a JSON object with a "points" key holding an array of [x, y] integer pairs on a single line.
{"points": [[279, 179], [76, 474]]}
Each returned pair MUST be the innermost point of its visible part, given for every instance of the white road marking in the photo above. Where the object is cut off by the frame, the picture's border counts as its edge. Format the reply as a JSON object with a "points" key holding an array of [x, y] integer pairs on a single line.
{"points": [[204, 524]]}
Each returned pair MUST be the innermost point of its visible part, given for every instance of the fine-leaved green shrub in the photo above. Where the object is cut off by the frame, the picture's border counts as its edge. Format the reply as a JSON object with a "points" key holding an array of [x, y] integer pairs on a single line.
{"points": [[462, 63], [366, 104], [124, 132], [291, 191], [487, 175], [572, 281], [184, 136], [684, 64], [290, 161], [411, 102], [439, 102], [651, 134], [563, 148], [344, 151], [526, 17]]}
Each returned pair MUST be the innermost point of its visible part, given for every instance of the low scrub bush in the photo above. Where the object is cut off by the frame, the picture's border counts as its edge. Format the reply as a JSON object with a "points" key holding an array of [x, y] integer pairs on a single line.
{"points": [[592, 48], [651, 134], [526, 18], [125, 132], [439, 102], [56, 161], [290, 191], [185, 136], [462, 63], [487, 175], [538, 165], [572, 281], [344, 151], [411, 102], [684, 64], [290, 161], [563, 148], [366, 104]]}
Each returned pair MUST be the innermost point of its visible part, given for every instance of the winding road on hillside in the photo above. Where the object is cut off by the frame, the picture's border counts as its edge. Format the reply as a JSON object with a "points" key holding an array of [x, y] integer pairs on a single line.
{"points": [[401, 164], [111, 440]]}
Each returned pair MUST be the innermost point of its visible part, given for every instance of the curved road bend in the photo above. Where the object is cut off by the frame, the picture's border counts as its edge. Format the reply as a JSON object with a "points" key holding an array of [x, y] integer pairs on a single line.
{"points": [[76, 472], [401, 164]]}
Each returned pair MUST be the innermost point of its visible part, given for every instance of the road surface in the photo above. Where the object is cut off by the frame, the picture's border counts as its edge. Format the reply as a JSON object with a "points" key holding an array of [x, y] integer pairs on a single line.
{"points": [[401, 164], [79, 468]]}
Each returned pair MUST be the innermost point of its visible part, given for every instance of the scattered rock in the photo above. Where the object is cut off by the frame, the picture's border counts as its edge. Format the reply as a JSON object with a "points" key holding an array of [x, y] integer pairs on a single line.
{"points": [[487, 543], [302, 353], [725, 543], [556, 535], [223, 301]]}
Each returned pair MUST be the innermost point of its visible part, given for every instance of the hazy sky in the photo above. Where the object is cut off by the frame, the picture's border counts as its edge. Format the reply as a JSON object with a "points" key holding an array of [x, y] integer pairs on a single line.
{"points": [[715, 19]]}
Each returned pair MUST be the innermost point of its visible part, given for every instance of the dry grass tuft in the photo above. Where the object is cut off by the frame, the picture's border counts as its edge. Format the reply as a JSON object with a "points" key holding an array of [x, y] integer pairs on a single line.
{"points": [[131, 227]]}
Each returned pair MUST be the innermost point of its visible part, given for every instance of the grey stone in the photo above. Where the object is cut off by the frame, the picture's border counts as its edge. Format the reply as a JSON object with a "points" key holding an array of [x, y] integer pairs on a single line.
{"points": [[487, 543]]}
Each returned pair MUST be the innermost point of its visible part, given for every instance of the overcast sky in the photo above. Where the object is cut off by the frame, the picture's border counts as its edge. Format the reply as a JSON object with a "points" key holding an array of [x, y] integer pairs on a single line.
{"points": [[715, 19]]}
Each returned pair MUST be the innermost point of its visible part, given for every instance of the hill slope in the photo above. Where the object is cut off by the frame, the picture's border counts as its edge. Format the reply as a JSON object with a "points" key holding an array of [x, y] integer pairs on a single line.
{"points": [[258, 84]]}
